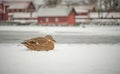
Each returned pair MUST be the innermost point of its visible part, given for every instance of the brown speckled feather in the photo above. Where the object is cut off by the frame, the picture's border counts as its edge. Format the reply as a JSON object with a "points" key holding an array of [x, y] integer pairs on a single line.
{"points": [[40, 43]]}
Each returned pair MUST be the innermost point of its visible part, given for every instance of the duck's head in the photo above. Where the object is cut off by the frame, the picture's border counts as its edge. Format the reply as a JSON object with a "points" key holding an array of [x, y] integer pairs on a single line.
{"points": [[50, 38]]}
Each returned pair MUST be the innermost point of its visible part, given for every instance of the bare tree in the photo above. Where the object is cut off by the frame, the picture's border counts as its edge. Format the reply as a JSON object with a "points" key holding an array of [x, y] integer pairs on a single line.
{"points": [[69, 3], [92, 1], [52, 3], [112, 5], [108, 5]]}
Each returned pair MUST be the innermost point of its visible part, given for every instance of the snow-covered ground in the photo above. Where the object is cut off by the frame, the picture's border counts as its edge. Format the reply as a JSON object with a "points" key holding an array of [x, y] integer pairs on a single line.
{"points": [[72, 30], [87, 35], [66, 58]]}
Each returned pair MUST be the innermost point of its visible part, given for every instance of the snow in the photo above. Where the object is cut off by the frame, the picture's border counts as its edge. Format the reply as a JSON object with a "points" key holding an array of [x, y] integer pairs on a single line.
{"points": [[23, 15], [59, 11], [106, 14], [89, 29], [17, 5], [66, 58]]}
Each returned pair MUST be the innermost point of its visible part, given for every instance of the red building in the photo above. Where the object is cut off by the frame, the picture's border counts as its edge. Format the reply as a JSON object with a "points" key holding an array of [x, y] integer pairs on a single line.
{"points": [[20, 11], [56, 16], [20, 6], [3, 12]]}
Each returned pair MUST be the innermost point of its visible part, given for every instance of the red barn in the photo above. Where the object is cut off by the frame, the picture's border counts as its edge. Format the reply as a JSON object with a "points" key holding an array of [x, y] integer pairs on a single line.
{"points": [[20, 11], [20, 6], [56, 16], [3, 12]]}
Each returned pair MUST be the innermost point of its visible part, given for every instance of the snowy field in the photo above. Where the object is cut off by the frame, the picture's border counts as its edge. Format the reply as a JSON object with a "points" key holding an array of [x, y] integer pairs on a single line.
{"points": [[64, 59], [75, 52]]}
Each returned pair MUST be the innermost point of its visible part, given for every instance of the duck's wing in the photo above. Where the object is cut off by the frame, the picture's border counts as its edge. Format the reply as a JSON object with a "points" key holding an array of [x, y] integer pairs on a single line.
{"points": [[39, 40]]}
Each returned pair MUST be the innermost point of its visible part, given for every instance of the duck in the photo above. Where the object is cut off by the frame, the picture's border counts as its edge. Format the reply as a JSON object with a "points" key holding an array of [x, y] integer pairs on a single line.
{"points": [[40, 43]]}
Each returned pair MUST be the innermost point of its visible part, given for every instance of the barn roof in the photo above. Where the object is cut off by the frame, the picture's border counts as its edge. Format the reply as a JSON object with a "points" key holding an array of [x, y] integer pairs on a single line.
{"points": [[17, 4], [54, 12], [83, 8]]}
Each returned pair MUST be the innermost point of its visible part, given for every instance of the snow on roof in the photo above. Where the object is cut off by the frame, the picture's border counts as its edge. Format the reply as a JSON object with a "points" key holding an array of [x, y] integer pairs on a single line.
{"points": [[79, 10], [83, 8], [54, 11], [17, 4]]}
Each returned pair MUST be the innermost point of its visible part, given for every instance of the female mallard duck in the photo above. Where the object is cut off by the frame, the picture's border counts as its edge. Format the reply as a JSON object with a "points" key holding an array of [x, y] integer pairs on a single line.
{"points": [[40, 43]]}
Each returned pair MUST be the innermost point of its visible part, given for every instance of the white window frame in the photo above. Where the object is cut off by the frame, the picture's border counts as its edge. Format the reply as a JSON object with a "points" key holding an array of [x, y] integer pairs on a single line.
{"points": [[56, 19], [46, 19]]}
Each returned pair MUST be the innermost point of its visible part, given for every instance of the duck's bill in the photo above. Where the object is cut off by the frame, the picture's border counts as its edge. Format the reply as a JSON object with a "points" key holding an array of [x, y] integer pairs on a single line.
{"points": [[23, 42], [54, 40]]}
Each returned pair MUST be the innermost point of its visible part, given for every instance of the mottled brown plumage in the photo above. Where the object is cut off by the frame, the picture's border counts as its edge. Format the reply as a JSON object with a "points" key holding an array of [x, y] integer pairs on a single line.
{"points": [[40, 43]]}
